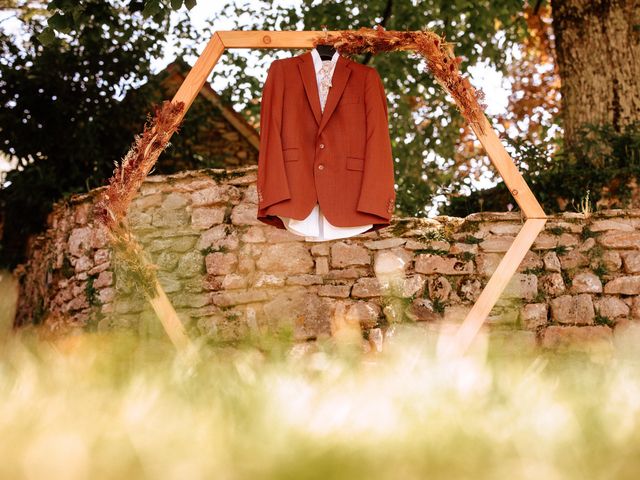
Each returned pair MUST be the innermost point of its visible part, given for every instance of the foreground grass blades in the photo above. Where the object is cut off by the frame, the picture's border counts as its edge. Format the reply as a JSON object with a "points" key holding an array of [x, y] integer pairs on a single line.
{"points": [[117, 406]]}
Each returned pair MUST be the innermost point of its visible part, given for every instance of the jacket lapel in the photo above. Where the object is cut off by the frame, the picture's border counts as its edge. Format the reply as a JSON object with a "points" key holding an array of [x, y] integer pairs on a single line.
{"points": [[338, 82], [308, 74]]}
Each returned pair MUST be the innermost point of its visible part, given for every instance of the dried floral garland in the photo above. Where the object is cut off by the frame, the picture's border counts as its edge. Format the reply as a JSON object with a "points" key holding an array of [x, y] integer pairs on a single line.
{"points": [[438, 53], [111, 209]]}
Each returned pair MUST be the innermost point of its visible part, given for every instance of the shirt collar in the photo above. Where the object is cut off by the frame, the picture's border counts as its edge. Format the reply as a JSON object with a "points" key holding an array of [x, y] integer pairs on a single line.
{"points": [[317, 61]]}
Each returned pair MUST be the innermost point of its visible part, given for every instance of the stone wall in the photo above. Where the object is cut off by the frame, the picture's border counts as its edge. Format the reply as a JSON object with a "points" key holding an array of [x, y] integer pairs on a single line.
{"points": [[227, 273]]}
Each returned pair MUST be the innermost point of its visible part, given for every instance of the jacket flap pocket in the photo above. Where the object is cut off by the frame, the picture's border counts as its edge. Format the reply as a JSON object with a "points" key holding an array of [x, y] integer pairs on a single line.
{"points": [[290, 154], [355, 163]]}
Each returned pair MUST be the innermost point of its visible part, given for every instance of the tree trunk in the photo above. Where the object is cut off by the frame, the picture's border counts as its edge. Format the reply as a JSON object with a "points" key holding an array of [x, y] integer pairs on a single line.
{"points": [[598, 55]]}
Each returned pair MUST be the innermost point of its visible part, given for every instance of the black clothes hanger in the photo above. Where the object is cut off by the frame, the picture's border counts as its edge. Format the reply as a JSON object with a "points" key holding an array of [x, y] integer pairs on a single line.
{"points": [[324, 50]]}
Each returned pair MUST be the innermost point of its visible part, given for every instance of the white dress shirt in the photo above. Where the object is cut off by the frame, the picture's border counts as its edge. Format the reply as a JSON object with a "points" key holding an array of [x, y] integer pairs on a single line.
{"points": [[316, 227]]}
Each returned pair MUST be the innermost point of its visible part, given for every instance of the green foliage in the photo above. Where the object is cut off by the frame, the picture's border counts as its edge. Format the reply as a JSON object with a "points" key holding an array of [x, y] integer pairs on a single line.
{"points": [[560, 249], [470, 239], [559, 174], [68, 15], [438, 305], [601, 271], [466, 256], [431, 251], [212, 249], [62, 119], [534, 270], [91, 292], [588, 233], [603, 320]]}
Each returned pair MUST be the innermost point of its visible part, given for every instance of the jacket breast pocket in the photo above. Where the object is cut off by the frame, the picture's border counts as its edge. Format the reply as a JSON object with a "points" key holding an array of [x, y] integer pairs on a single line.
{"points": [[290, 154], [355, 163]]}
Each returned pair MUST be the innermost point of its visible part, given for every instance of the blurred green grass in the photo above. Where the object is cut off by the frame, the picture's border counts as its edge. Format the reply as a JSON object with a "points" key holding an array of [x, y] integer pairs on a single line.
{"points": [[115, 405]]}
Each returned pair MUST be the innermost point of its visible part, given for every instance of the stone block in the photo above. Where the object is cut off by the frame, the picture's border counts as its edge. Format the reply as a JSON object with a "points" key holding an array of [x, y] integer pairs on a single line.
{"points": [[264, 279], [545, 241], [80, 241], [308, 315], [290, 257], [631, 261], [215, 194], [245, 214], [366, 314], [339, 291], [279, 235], [170, 218], [551, 262], [612, 261], [591, 339], [208, 237], [421, 310], [304, 279], [470, 289], [347, 273], [522, 285], [530, 261], [431, 264], [627, 285], [622, 240], [386, 243], [391, 263], [233, 280], [321, 249], [573, 259], [254, 234], [346, 254], [487, 263], [611, 307], [237, 297], [219, 263], [322, 265], [552, 284], [496, 243], [174, 201], [586, 282], [366, 287], [206, 217], [439, 288], [534, 315], [570, 309], [609, 224]]}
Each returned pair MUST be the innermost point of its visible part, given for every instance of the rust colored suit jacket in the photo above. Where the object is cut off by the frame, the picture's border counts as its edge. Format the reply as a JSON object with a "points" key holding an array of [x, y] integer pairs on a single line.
{"points": [[340, 158]]}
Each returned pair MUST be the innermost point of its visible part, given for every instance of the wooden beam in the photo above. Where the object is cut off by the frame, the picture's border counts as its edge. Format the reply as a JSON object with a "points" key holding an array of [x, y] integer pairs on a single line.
{"points": [[199, 73], [495, 286], [508, 171]]}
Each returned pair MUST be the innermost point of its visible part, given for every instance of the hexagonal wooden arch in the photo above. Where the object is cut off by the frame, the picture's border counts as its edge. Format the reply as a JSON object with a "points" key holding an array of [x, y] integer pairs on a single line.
{"points": [[535, 216]]}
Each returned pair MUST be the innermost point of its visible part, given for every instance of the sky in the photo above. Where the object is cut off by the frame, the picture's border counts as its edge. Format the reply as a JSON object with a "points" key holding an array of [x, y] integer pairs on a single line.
{"points": [[482, 76]]}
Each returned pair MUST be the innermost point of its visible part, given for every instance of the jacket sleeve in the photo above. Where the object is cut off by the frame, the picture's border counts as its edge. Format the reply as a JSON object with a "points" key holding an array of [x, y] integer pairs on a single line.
{"points": [[377, 193], [272, 178]]}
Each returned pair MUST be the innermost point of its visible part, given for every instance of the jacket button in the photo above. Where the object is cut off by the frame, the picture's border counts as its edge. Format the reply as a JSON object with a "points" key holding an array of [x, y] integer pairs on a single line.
{"points": [[320, 167], [321, 145]]}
